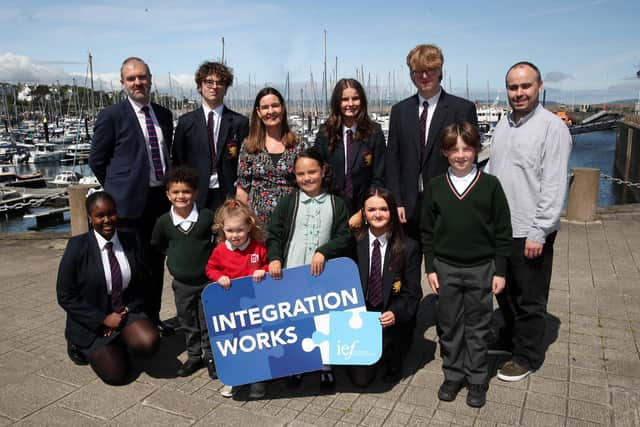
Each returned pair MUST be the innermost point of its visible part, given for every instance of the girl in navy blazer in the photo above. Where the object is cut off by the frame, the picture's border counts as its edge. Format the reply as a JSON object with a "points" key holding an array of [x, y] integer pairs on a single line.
{"points": [[99, 281], [399, 278], [353, 145]]}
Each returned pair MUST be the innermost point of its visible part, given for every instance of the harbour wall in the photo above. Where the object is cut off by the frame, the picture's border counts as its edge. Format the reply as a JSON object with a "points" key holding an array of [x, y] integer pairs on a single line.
{"points": [[627, 157]]}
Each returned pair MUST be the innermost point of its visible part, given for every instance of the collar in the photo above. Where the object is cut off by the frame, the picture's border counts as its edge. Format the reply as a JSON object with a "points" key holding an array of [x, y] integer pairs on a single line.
{"points": [[137, 107], [524, 119], [217, 112], [177, 219], [468, 177], [102, 241], [320, 198], [432, 101], [242, 247], [383, 239], [352, 128]]}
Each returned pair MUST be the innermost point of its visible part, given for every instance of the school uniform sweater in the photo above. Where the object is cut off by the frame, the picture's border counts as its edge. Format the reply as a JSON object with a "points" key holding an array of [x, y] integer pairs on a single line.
{"points": [[237, 263], [187, 251], [466, 229]]}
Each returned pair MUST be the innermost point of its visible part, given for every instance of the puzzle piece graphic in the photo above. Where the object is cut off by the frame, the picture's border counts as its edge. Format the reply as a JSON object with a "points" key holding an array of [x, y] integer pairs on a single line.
{"points": [[351, 337], [255, 358]]}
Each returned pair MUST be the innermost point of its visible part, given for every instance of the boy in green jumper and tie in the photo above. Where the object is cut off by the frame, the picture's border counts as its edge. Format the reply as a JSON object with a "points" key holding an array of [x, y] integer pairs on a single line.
{"points": [[466, 239]]}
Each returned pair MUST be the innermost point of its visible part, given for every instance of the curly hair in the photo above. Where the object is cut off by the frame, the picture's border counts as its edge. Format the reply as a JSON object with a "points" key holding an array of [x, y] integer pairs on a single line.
{"points": [[183, 174], [207, 68], [234, 207]]}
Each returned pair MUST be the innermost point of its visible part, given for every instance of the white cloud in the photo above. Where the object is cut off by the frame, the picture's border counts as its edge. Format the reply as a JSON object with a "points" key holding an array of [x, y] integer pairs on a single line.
{"points": [[16, 68]]}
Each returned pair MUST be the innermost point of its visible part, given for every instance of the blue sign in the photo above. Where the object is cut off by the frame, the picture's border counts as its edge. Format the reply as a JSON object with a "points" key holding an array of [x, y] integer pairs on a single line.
{"points": [[277, 328]]}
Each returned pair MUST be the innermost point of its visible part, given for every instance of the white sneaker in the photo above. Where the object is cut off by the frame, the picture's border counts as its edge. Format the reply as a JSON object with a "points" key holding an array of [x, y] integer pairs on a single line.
{"points": [[227, 391], [257, 390]]}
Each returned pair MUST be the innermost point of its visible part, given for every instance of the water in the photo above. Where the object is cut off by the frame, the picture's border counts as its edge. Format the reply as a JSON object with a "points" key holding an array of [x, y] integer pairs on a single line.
{"points": [[595, 149], [49, 170]]}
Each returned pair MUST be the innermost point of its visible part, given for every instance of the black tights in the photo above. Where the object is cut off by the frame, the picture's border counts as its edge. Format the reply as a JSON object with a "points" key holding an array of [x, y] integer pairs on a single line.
{"points": [[111, 362]]}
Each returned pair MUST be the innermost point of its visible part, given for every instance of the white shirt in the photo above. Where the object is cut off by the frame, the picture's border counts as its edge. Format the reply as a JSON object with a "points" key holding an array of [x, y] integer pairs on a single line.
{"points": [[242, 247], [383, 239], [433, 103], [142, 120], [125, 269], [217, 118], [184, 223], [344, 142], [461, 183]]}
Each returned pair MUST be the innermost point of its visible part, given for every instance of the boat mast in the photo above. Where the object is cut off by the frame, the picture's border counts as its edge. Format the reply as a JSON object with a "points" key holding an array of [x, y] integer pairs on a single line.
{"points": [[324, 81], [222, 50], [91, 112]]}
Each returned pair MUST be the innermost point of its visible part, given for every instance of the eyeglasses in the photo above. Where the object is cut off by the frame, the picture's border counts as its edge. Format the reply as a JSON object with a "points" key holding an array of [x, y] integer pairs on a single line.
{"points": [[212, 83], [428, 71]]}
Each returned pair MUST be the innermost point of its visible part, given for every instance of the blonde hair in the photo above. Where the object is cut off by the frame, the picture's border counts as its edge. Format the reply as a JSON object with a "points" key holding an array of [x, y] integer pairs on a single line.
{"points": [[425, 56], [234, 207]]}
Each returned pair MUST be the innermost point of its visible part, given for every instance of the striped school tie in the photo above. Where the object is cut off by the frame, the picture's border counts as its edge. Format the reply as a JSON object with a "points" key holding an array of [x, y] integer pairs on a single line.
{"points": [[375, 276], [153, 144], [116, 279]]}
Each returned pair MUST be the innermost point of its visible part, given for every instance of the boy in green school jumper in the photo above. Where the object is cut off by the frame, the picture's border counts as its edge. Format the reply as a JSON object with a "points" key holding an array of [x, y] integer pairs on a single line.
{"points": [[466, 239]]}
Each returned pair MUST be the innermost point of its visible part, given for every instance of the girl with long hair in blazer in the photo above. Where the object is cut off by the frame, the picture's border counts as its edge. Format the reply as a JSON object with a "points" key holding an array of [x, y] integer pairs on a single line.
{"points": [[389, 266], [353, 145], [99, 282]]}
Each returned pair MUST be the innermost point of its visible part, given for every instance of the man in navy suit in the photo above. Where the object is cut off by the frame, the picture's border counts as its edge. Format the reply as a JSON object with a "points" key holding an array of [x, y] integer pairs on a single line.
{"points": [[413, 153], [130, 156], [208, 139]]}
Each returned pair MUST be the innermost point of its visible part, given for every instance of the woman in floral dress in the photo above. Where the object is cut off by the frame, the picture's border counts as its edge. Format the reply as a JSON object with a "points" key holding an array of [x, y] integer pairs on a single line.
{"points": [[265, 168]]}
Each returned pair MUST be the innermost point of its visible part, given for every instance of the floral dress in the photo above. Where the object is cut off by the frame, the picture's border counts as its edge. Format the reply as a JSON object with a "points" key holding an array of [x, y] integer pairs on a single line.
{"points": [[267, 182]]}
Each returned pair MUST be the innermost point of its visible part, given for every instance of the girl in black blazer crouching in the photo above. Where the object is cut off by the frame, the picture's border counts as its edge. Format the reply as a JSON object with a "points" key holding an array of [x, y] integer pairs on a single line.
{"points": [[99, 281], [389, 266]]}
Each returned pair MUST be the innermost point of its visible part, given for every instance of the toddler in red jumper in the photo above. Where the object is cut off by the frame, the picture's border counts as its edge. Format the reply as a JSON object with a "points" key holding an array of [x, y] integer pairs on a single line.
{"points": [[240, 252]]}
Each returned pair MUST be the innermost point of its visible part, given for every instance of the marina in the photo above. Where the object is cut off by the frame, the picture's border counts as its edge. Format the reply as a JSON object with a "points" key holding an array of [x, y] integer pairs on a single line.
{"points": [[594, 149]]}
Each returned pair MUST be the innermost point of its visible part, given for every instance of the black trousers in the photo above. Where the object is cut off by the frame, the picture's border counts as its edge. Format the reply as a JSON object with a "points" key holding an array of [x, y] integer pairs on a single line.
{"points": [[524, 301], [215, 199], [464, 312], [191, 319], [394, 349], [156, 205]]}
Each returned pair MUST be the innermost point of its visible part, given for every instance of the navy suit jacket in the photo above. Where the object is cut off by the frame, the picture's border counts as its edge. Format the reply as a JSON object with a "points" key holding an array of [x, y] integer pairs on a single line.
{"points": [[367, 166], [119, 156], [402, 164], [82, 290], [191, 148], [403, 298]]}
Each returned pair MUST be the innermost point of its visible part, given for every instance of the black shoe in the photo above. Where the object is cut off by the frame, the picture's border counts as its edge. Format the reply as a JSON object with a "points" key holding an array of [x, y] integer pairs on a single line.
{"points": [[477, 395], [211, 367], [75, 355], [392, 374], [294, 381], [190, 366], [449, 390], [327, 381]]}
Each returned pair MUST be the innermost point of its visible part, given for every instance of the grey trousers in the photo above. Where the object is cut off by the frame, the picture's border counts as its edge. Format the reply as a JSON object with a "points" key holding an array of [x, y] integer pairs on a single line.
{"points": [[464, 313], [191, 319]]}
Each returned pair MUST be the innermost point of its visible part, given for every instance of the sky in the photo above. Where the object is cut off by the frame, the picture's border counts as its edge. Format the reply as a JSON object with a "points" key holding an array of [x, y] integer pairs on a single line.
{"points": [[587, 50]]}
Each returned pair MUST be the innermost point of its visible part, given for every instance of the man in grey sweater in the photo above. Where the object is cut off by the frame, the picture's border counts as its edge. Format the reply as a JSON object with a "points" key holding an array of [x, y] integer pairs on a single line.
{"points": [[530, 155]]}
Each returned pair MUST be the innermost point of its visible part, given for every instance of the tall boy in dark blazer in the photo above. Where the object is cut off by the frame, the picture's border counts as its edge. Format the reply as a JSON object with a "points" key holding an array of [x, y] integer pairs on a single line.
{"points": [[413, 153], [208, 139]]}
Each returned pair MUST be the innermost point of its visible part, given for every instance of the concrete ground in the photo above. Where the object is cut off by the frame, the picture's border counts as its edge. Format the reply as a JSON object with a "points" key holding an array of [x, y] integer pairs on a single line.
{"points": [[591, 375]]}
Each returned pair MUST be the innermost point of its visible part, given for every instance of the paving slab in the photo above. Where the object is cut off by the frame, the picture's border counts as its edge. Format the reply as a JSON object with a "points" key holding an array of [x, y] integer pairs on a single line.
{"points": [[591, 375]]}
